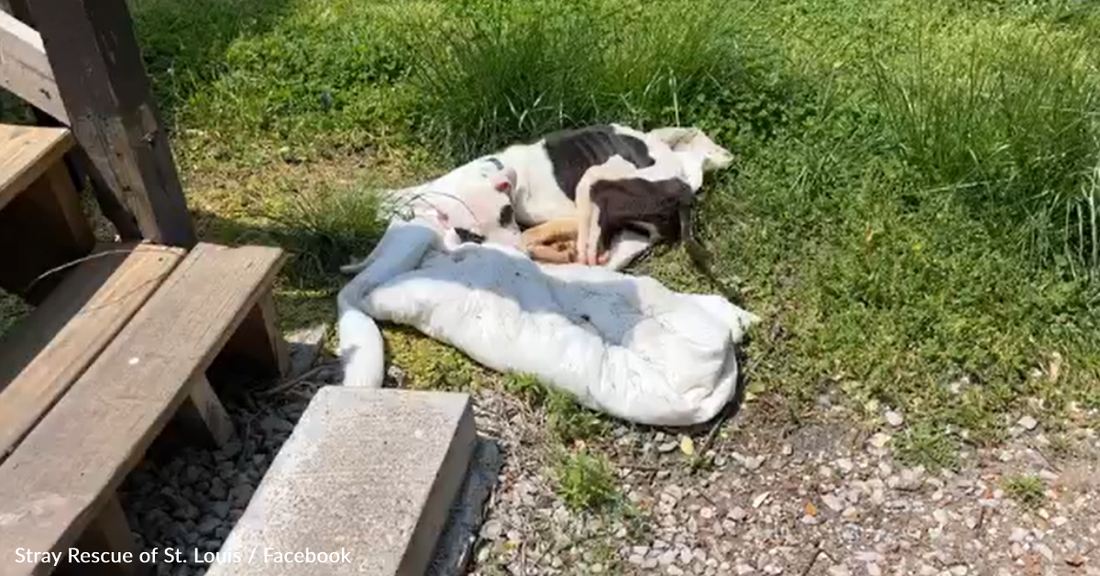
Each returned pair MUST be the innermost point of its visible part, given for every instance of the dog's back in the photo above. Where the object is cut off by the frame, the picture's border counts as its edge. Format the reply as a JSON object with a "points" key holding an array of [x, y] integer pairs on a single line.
{"points": [[573, 152]]}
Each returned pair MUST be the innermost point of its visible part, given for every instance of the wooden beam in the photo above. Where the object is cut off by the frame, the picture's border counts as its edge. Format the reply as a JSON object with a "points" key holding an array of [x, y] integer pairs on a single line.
{"points": [[25, 70], [100, 75]]}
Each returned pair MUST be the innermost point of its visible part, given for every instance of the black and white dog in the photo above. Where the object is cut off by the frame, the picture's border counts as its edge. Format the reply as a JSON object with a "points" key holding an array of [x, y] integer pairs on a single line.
{"points": [[617, 190]]}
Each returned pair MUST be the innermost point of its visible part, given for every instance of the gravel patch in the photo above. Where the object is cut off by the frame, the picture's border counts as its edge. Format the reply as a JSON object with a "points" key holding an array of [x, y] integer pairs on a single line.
{"points": [[824, 499]]}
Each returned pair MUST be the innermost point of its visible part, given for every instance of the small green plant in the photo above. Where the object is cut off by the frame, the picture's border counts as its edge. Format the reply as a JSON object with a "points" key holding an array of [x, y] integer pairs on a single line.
{"points": [[570, 421], [325, 229], [925, 444], [567, 420], [525, 387], [585, 480], [1027, 490]]}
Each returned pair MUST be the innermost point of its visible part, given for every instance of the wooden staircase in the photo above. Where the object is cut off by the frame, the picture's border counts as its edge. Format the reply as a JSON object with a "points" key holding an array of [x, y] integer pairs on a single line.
{"points": [[124, 334]]}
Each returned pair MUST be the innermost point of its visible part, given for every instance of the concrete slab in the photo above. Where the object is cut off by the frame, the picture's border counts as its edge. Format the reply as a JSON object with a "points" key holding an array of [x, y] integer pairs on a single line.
{"points": [[363, 486]]}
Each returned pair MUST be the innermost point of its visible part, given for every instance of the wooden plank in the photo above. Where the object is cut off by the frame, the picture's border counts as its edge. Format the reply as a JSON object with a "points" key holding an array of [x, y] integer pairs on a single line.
{"points": [[203, 415], [100, 75], [42, 357], [63, 471], [258, 346], [26, 153], [24, 68]]}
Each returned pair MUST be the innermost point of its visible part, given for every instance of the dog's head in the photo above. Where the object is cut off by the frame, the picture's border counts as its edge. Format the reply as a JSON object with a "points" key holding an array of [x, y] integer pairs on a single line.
{"points": [[695, 142], [476, 204]]}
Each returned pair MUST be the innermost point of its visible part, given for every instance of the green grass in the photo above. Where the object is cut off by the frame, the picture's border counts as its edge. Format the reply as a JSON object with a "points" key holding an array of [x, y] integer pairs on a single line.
{"points": [[1028, 491], [584, 480], [567, 421], [913, 213]]}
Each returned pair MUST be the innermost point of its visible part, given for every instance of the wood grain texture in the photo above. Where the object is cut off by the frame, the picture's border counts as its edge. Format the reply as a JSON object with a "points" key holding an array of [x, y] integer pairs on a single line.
{"points": [[43, 356], [24, 68], [97, 63], [26, 153], [64, 470]]}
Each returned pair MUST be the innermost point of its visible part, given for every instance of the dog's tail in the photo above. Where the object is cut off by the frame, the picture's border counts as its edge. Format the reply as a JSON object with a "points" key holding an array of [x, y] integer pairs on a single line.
{"points": [[362, 350], [361, 347]]}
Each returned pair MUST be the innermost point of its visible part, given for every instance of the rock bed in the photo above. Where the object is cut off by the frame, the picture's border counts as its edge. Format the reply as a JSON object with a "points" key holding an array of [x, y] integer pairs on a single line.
{"points": [[824, 499]]}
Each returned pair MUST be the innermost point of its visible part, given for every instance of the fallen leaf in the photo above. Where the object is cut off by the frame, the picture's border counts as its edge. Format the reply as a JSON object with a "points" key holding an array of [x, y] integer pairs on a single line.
{"points": [[1076, 560], [1055, 368], [811, 510], [687, 446], [1032, 566]]}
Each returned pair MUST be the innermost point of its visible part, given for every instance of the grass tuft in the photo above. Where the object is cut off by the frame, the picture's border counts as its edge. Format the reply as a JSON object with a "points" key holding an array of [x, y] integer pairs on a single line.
{"points": [[927, 445], [1027, 490], [499, 71], [1006, 119], [585, 481], [566, 419]]}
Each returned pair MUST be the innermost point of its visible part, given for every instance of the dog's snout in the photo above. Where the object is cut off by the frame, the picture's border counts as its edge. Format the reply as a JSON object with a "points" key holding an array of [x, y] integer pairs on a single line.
{"points": [[507, 216]]}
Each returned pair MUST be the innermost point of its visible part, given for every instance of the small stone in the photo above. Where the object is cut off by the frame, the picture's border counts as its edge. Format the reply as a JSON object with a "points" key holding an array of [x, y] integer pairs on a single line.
{"points": [[911, 479], [760, 499], [787, 450], [1027, 422], [1058, 521], [850, 513], [833, 503], [636, 559], [220, 509], [685, 556], [192, 474], [874, 569], [809, 520], [845, 465], [667, 447], [706, 512], [839, 570], [894, 419], [737, 514], [492, 530], [207, 526], [668, 558], [1018, 535], [960, 570], [879, 440], [674, 570]]}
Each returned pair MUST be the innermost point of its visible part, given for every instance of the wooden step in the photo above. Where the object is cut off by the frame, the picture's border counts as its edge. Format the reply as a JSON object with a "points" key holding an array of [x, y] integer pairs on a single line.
{"points": [[42, 356], [42, 224], [64, 473], [26, 153]]}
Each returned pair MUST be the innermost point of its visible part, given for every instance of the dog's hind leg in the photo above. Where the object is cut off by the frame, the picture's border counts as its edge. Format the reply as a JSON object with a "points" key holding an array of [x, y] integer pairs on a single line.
{"points": [[588, 216]]}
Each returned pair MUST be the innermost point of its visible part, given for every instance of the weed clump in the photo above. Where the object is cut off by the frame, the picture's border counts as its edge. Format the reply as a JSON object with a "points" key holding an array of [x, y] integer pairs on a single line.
{"points": [[1027, 490], [584, 480]]}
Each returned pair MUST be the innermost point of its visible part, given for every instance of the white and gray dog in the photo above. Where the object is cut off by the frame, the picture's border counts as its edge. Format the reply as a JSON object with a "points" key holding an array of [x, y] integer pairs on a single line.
{"points": [[612, 189]]}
